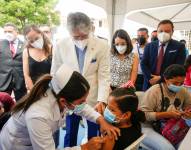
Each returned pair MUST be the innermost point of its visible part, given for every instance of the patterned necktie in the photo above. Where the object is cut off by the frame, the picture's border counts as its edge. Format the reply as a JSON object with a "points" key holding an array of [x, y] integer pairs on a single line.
{"points": [[160, 59], [12, 48]]}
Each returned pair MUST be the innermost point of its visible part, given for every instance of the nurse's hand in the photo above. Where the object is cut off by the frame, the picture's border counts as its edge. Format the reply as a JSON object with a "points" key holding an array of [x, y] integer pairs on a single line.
{"points": [[94, 143], [108, 129]]}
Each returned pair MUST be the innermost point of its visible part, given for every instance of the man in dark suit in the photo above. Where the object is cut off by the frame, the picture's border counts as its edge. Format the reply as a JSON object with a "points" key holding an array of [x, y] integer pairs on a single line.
{"points": [[158, 55], [11, 68]]}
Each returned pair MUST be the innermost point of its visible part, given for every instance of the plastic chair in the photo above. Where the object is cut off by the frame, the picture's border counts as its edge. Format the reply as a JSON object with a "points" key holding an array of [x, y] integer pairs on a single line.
{"points": [[135, 145]]}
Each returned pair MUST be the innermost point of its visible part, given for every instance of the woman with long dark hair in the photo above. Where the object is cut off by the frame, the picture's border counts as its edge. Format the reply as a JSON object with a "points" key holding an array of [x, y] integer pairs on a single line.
{"points": [[40, 113]]}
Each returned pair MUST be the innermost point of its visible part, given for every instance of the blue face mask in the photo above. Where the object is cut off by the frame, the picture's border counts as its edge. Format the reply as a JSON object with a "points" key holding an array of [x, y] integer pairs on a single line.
{"points": [[109, 116], [188, 122], [174, 88]]}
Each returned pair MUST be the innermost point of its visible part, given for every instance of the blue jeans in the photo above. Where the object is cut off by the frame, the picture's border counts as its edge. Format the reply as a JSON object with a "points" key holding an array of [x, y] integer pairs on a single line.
{"points": [[72, 125], [154, 140]]}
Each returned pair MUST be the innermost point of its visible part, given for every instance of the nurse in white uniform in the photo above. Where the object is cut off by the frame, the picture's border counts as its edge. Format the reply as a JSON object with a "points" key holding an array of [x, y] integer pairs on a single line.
{"points": [[40, 113]]}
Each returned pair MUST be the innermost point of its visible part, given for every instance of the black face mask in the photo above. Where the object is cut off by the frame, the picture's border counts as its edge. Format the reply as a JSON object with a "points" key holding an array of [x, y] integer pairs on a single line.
{"points": [[141, 40], [154, 38]]}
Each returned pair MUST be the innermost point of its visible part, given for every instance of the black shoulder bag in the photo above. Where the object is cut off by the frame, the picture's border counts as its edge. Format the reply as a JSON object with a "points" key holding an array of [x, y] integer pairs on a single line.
{"points": [[157, 124]]}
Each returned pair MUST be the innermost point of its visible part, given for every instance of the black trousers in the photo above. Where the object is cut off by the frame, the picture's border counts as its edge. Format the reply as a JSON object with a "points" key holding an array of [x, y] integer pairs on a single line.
{"points": [[139, 82]]}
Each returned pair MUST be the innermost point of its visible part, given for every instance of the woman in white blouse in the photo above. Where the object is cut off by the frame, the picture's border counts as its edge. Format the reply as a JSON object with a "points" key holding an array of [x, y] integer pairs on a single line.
{"points": [[124, 63], [40, 113]]}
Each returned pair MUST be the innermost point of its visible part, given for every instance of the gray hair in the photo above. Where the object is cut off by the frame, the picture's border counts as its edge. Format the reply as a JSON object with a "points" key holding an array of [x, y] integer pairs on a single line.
{"points": [[11, 25], [78, 21]]}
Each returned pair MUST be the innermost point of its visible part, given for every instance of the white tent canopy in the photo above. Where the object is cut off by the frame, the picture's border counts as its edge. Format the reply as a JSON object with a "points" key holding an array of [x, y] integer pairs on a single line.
{"points": [[179, 14], [148, 12]]}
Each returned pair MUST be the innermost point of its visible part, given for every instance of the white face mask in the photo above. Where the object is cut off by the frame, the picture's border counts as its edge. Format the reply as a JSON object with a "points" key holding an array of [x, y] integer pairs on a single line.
{"points": [[164, 37], [38, 44], [81, 43], [10, 37], [121, 49]]}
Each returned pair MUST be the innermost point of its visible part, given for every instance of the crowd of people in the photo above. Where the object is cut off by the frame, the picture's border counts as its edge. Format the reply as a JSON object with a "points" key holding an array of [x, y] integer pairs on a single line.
{"points": [[82, 76]]}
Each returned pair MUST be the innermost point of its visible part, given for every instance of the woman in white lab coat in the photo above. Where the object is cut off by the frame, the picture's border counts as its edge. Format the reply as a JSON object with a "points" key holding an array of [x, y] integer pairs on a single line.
{"points": [[40, 113]]}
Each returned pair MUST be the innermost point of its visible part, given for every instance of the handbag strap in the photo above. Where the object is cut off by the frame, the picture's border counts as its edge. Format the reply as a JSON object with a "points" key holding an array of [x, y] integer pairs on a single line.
{"points": [[162, 102]]}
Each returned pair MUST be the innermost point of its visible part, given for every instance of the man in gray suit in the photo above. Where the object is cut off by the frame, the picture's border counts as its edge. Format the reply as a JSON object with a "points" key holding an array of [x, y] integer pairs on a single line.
{"points": [[11, 67]]}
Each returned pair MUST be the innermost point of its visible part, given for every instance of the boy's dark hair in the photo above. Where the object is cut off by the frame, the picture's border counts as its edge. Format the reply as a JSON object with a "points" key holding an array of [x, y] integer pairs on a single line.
{"points": [[127, 100], [166, 21], [174, 70]]}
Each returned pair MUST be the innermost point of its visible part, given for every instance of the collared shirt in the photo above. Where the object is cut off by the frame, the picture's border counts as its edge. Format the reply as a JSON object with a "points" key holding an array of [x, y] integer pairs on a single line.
{"points": [[15, 44], [139, 50], [165, 46], [81, 57]]}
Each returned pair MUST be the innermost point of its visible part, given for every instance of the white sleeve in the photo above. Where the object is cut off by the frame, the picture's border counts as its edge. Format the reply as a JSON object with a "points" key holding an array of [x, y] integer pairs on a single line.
{"points": [[56, 58], [41, 135], [89, 113], [104, 75]]}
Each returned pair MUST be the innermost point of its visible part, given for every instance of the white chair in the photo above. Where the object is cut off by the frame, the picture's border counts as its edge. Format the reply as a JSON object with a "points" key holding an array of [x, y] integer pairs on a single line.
{"points": [[135, 145]]}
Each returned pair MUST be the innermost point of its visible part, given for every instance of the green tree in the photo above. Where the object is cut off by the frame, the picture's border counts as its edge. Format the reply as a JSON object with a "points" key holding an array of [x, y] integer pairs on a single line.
{"points": [[23, 12]]}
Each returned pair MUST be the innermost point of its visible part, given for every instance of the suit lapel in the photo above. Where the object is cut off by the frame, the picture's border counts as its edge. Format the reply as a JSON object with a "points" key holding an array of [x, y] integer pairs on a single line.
{"points": [[156, 49], [7, 47], [88, 55], [167, 50]]}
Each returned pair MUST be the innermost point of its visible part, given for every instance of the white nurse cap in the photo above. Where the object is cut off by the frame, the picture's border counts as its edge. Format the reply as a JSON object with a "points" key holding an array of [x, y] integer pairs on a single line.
{"points": [[61, 78]]}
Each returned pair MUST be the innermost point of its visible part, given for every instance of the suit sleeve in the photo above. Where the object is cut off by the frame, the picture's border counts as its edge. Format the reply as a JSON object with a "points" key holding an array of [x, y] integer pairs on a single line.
{"points": [[104, 75], [56, 58], [181, 55], [145, 62]]}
